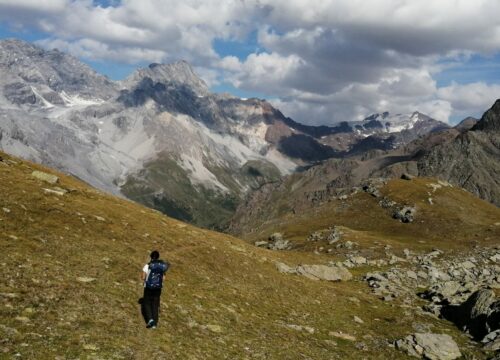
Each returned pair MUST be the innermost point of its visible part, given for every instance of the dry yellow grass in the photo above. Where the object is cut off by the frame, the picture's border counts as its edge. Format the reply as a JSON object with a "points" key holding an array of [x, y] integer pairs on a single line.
{"points": [[455, 221], [49, 241]]}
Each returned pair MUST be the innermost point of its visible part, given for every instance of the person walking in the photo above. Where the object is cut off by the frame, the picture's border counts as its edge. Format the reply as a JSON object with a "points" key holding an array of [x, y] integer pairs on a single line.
{"points": [[153, 274]]}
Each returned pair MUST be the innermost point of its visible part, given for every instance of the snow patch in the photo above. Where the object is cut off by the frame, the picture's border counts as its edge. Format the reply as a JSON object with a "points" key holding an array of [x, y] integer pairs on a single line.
{"points": [[46, 104], [75, 100]]}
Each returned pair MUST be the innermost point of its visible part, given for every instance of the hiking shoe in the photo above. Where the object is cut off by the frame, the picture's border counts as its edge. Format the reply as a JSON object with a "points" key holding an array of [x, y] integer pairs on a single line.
{"points": [[151, 323]]}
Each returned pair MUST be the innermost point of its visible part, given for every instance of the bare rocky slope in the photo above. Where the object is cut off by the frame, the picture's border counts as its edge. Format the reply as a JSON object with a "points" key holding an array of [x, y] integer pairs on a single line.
{"points": [[472, 159], [466, 157], [71, 257], [160, 137]]}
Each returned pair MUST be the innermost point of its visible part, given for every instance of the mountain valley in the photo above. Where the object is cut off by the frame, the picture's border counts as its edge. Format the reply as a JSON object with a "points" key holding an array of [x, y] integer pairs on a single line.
{"points": [[73, 254], [118, 136], [375, 238]]}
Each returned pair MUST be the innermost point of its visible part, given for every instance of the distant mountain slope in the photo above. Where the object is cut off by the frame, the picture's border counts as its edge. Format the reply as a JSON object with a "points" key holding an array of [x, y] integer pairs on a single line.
{"points": [[160, 137], [72, 255], [466, 158], [472, 159]]}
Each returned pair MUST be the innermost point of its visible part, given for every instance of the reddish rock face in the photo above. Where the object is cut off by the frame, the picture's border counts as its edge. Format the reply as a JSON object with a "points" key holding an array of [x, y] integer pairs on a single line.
{"points": [[277, 131]]}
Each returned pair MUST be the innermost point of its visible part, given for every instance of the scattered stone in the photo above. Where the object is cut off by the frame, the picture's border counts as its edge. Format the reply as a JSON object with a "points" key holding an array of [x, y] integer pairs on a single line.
{"points": [[341, 335], [412, 275], [85, 279], [285, 269], [6, 210], [334, 236], [48, 178], [90, 347], [278, 243], [99, 218], [467, 265], [395, 259], [276, 237], [375, 277], [492, 341], [358, 320], [323, 272], [358, 260], [315, 236], [308, 329], [214, 328], [55, 191], [473, 314], [261, 243], [385, 203], [372, 190], [429, 346], [349, 245], [406, 214], [495, 258]]}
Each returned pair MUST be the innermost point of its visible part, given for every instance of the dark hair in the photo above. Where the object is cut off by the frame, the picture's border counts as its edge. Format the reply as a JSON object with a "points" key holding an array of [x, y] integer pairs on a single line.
{"points": [[155, 255]]}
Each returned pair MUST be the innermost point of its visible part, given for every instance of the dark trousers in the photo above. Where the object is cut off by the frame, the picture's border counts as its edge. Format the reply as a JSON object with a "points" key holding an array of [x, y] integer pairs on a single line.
{"points": [[151, 304]]}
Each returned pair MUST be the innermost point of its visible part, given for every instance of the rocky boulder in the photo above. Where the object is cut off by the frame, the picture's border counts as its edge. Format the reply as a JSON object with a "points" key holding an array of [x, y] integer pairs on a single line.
{"points": [[48, 178], [323, 272], [492, 341], [277, 242], [474, 315], [429, 346], [406, 214]]}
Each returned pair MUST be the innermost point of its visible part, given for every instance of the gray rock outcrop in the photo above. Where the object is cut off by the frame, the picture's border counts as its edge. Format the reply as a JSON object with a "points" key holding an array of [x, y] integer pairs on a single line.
{"points": [[474, 314], [430, 346], [406, 214], [324, 272], [316, 272]]}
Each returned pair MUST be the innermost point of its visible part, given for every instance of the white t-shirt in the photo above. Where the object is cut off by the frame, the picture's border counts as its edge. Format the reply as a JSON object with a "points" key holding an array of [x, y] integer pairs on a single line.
{"points": [[145, 269]]}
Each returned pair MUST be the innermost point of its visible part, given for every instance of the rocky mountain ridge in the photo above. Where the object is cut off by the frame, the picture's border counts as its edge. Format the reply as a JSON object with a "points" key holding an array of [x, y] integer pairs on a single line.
{"points": [[466, 158], [160, 137]]}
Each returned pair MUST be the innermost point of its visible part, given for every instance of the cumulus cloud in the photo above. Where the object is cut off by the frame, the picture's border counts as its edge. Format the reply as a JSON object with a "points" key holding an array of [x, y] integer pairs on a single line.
{"points": [[470, 99], [320, 62]]}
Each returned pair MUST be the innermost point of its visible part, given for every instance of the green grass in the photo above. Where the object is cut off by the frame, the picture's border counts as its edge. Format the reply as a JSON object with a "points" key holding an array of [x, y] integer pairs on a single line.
{"points": [[456, 220], [48, 242]]}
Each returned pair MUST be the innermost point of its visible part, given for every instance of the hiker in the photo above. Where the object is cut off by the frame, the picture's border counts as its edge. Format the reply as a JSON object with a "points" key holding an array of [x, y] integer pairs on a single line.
{"points": [[153, 275]]}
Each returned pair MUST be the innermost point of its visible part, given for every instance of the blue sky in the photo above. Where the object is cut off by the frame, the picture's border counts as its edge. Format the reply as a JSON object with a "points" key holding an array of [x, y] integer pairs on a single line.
{"points": [[319, 62]]}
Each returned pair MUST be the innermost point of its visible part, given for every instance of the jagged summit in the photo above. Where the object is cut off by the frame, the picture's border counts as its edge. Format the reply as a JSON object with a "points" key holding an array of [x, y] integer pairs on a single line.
{"points": [[33, 75], [178, 73], [490, 121], [393, 123], [466, 124], [124, 136]]}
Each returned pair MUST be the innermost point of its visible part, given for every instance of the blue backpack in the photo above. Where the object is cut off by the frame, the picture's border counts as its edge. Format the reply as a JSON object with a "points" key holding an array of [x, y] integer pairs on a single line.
{"points": [[156, 271]]}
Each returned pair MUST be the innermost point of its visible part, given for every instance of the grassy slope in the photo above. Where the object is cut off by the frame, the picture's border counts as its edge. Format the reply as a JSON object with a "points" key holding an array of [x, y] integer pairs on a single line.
{"points": [[49, 241], [198, 205], [456, 220]]}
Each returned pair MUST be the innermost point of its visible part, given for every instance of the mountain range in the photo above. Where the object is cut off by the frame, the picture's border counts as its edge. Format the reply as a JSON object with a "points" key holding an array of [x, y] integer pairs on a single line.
{"points": [[467, 156], [346, 231], [160, 137]]}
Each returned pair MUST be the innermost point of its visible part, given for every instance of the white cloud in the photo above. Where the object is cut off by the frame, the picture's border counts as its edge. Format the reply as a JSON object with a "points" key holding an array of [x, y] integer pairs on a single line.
{"points": [[49, 6], [95, 50], [470, 99]]}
